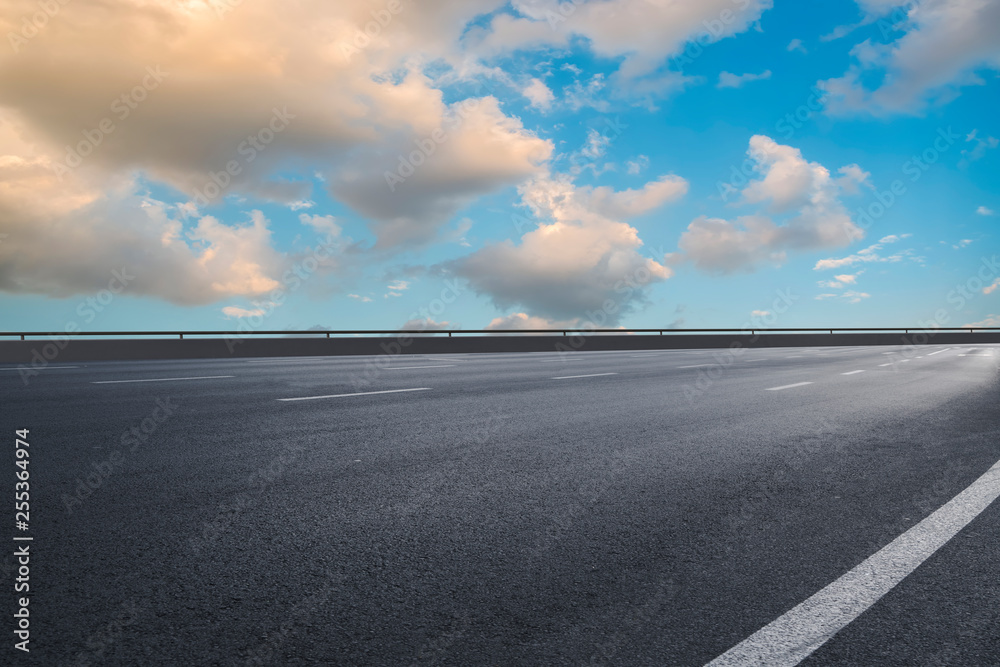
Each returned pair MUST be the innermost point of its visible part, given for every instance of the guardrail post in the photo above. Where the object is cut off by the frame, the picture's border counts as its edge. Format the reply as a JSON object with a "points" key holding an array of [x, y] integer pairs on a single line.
{"points": [[449, 334], [181, 335], [22, 336], [328, 334]]}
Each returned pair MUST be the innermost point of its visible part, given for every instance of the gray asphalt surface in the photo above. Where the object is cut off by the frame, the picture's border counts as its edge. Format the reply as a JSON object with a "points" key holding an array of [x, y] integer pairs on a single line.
{"points": [[657, 516]]}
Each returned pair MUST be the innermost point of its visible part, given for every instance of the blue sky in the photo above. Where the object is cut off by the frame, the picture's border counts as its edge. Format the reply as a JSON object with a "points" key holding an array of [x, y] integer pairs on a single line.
{"points": [[613, 163]]}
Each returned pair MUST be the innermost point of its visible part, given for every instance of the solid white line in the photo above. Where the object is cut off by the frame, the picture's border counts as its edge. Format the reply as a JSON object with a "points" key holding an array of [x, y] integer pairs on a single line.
{"points": [[41, 368], [697, 366], [852, 372], [938, 352], [792, 637], [789, 386], [360, 393], [284, 360], [557, 361], [406, 368], [888, 364], [206, 377], [573, 377]]}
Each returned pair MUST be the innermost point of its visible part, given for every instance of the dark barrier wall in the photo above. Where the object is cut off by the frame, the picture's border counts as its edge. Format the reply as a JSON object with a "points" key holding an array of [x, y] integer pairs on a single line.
{"points": [[43, 351]]}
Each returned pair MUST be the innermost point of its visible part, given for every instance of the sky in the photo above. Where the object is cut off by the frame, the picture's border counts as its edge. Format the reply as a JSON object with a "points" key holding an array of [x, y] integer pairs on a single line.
{"points": [[222, 165]]}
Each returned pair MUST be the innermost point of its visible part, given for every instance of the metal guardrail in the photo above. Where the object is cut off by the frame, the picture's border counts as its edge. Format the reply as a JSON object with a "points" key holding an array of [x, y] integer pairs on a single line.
{"points": [[431, 332]]}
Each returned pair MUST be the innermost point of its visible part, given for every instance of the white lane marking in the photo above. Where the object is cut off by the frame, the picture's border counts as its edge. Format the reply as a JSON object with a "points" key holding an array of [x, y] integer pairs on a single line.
{"points": [[852, 372], [285, 360], [888, 364], [789, 386], [573, 377], [938, 352], [360, 393], [43, 368], [406, 368], [792, 637], [558, 361], [205, 377], [903, 361], [794, 356], [698, 366]]}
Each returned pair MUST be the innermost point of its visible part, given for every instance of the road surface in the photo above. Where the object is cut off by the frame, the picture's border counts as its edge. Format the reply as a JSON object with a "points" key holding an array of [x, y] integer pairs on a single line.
{"points": [[619, 508]]}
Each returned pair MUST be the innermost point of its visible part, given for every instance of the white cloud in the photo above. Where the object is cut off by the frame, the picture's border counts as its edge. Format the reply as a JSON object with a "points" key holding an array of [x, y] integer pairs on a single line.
{"points": [[637, 165], [990, 321], [235, 312], [945, 43], [760, 313], [538, 94], [427, 324], [962, 244], [849, 297], [866, 255], [522, 321], [791, 186], [346, 115], [989, 289], [841, 281], [796, 45], [358, 297], [579, 260], [396, 288], [979, 148], [982, 210], [325, 224], [481, 150], [643, 34], [729, 80]]}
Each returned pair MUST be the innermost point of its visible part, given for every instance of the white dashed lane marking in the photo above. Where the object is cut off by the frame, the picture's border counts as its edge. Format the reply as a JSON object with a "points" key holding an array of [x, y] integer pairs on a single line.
{"points": [[359, 393], [789, 386], [207, 377]]}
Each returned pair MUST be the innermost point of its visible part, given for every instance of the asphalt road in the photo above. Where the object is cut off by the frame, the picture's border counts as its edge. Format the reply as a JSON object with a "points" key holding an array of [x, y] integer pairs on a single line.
{"points": [[619, 508]]}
